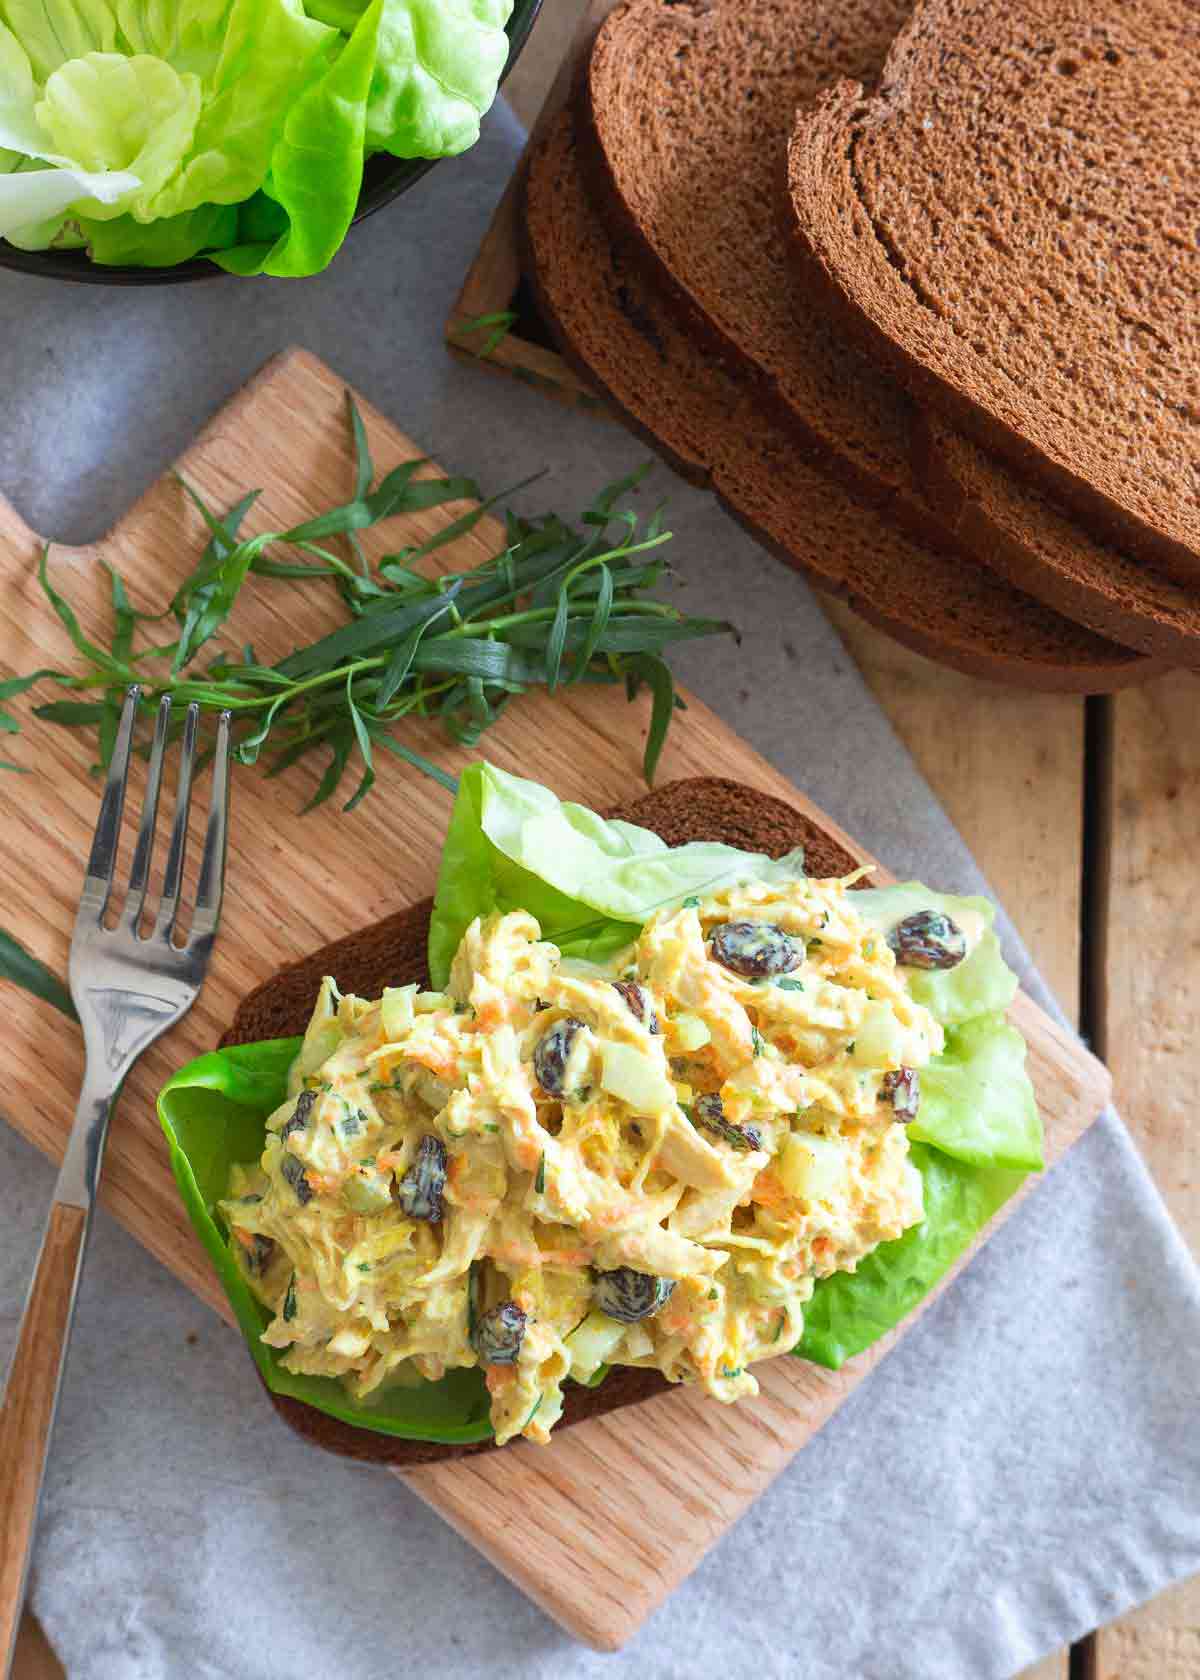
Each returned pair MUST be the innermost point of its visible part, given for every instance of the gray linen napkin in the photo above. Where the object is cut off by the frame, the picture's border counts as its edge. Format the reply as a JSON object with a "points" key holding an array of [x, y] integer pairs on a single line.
{"points": [[1024, 1467]]}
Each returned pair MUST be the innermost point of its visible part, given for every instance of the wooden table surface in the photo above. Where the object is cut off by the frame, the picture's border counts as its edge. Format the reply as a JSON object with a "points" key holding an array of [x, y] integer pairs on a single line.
{"points": [[1078, 811]]}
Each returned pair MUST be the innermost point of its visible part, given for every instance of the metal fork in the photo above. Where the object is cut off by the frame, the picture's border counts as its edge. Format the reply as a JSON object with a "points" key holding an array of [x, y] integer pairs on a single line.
{"points": [[128, 988]]}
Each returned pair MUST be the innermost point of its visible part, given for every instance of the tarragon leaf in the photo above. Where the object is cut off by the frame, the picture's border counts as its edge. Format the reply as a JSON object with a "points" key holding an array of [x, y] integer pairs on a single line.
{"points": [[21, 968]]}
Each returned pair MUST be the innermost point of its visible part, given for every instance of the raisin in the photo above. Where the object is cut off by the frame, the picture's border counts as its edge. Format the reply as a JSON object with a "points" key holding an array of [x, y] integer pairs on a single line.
{"points": [[300, 1115], [710, 1113], [552, 1054], [902, 1089], [498, 1334], [629, 1296], [638, 1004], [421, 1190], [292, 1168], [756, 950], [928, 939]]}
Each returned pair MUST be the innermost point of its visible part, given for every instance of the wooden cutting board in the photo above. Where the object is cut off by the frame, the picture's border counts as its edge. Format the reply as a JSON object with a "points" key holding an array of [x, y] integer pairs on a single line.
{"points": [[599, 1527]]}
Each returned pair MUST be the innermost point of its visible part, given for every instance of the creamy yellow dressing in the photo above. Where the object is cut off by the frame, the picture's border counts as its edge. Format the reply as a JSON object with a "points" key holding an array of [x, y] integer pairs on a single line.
{"points": [[488, 1175]]}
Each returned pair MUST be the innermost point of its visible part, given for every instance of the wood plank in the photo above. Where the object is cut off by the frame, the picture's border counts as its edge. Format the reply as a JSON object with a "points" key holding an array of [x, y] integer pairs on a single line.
{"points": [[1054, 1667], [1150, 1019], [286, 895], [1008, 767]]}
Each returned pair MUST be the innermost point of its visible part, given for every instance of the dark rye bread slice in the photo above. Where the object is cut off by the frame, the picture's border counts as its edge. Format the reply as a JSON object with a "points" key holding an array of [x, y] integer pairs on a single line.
{"points": [[659, 152], [1038, 548], [392, 953], [685, 108], [1009, 222], [612, 323]]}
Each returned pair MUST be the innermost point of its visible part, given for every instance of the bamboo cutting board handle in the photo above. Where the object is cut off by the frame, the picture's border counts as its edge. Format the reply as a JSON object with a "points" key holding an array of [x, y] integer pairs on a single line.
{"points": [[30, 1397]]}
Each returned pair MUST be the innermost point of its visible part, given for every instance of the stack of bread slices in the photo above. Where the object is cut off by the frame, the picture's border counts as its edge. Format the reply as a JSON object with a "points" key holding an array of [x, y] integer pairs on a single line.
{"points": [[917, 293]]}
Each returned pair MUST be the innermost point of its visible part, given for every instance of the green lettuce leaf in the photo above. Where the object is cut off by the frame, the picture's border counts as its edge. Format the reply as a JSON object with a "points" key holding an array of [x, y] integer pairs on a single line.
{"points": [[160, 244], [191, 36], [591, 883], [213, 1114], [153, 112], [108, 113], [440, 63], [37, 185], [270, 53], [983, 984], [851, 1310], [977, 1103], [35, 200], [317, 165], [54, 31]]}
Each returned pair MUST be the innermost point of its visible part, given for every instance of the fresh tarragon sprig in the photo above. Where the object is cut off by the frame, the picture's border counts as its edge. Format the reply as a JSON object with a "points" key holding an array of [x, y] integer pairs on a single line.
{"points": [[554, 607]]}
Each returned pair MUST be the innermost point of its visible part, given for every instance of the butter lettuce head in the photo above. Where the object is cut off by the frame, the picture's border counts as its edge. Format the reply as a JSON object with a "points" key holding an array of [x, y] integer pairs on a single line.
{"points": [[155, 111], [592, 883], [146, 112]]}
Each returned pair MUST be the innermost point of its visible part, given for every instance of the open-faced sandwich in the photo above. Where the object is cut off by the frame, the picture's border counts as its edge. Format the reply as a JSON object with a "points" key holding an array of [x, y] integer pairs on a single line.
{"points": [[655, 1113]]}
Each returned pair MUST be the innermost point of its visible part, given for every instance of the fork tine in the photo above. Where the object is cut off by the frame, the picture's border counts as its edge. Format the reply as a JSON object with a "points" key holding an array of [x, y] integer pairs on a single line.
{"points": [[140, 872], [212, 865], [177, 850], [97, 884]]}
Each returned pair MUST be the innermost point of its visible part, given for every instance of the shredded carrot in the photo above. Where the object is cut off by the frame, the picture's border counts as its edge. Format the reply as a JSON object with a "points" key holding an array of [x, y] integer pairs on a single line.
{"points": [[428, 1057], [768, 1191], [455, 1167], [246, 1238], [512, 1254], [493, 1014]]}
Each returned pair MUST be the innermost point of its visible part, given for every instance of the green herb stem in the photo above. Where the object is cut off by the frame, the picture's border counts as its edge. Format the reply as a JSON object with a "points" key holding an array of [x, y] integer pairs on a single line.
{"points": [[556, 606]]}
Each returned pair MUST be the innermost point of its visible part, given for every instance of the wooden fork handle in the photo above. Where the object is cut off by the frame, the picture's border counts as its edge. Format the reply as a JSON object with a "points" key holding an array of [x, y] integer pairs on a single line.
{"points": [[30, 1398]]}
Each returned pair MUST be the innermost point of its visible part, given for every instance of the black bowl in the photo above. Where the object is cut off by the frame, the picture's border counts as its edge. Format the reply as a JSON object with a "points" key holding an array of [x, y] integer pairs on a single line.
{"points": [[384, 179]]}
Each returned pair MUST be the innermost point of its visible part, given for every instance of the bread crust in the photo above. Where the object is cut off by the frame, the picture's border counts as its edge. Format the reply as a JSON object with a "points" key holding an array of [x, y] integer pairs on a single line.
{"points": [[1042, 551], [996, 225]]}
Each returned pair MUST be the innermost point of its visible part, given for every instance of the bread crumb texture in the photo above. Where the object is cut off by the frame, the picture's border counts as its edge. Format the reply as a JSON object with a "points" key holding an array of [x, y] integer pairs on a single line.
{"points": [[1010, 219]]}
